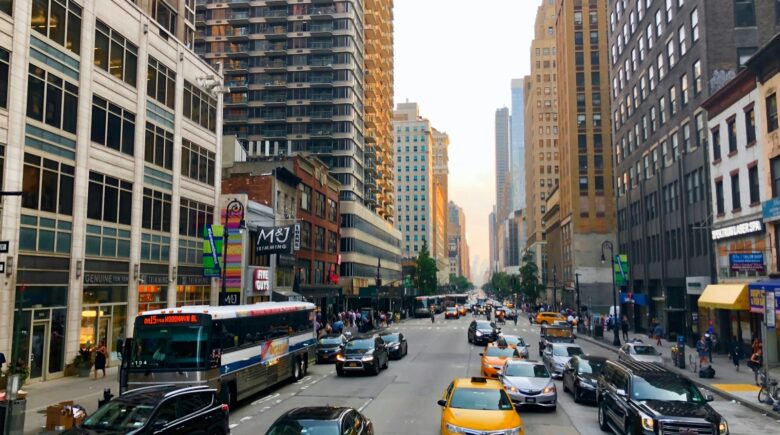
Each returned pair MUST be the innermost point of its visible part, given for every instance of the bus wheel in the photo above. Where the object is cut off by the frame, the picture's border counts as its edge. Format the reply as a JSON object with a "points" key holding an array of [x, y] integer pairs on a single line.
{"points": [[296, 369], [305, 364]]}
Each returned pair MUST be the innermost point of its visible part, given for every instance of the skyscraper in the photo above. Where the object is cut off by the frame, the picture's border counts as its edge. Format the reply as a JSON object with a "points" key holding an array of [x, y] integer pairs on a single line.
{"points": [[502, 136], [492, 242], [458, 245], [517, 149]]}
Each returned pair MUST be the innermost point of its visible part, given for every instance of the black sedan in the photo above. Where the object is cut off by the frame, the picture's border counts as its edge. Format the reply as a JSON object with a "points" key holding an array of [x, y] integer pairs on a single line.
{"points": [[482, 332], [321, 420], [328, 346], [397, 347], [579, 376]]}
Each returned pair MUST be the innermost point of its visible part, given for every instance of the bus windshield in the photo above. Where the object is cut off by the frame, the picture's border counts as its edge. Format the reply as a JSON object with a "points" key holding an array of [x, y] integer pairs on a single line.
{"points": [[170, 348]]}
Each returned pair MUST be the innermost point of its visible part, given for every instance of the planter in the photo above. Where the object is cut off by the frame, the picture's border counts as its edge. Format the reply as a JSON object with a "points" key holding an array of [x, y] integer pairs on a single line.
{"points": [[84, 371], [71, 370]]}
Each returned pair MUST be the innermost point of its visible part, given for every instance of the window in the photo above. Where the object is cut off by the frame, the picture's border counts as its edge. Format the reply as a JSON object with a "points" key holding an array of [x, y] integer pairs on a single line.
{"points": [[695, 25], [305, 197], [750, 125], [159, 146], [731, 131], [697, 78], [319, 239], [109, 199], [661, 67], [744, 54], [701, 135], [684, 98], [200, 107], [193, 218], [744, 13], [319, 204], [305, 234], [4, 61], [156, 211], [775, 174], [47, 185], [58, 20], [7, 6], [672, 101], [659, 24], [719, 197], [113, 53], [716, 144], [112, 126], [682, 34], [669, 4], [686, 134], [671, 57], [755, 197], [735, 200], [160, 82], [771, 113], [164, 15], [197, 162], [51, 100]]}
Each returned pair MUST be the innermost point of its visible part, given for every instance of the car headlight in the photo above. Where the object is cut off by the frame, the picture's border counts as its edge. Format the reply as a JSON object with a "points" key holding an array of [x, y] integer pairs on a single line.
{"points": [[367, 357], [723, 427], [514, 431], [513, 389], [479, 334], [340, 357], [549, 389], [455, 429], [647, 422]]}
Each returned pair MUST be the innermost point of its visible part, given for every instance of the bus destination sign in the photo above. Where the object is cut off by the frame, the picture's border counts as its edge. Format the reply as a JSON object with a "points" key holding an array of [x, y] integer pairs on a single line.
{"points": [[171, 319]]}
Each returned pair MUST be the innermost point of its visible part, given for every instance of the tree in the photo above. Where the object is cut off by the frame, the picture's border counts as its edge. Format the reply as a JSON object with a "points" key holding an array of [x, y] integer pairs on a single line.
{"points": [[529, 278], [460, 282], [425, 273]]}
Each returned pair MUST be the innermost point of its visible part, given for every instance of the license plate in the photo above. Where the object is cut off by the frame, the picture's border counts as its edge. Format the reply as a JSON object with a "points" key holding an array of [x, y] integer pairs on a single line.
{"points": [[530, 400], [352, 365]]}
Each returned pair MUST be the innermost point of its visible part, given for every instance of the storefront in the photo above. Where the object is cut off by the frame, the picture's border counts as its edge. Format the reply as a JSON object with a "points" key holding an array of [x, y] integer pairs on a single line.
{"points": [[326, 297], [153, 287], [725, 307], [192, 288], [758, 294]]}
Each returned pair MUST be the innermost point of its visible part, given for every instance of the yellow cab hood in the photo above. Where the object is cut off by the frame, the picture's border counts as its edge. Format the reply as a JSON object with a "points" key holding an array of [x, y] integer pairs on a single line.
{"points": [[482, 420]]}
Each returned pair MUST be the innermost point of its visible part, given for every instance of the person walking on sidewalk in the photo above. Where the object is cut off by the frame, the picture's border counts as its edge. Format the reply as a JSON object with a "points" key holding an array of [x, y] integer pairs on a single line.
{"points": [[658, 331], [701, 349], [100, 358], [736, 352], [710, 343], [624, 327]]}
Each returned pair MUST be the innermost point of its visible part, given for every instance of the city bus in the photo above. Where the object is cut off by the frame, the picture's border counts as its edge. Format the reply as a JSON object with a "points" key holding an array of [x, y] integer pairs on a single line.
{"points": [[422, 306], [239, 349]]}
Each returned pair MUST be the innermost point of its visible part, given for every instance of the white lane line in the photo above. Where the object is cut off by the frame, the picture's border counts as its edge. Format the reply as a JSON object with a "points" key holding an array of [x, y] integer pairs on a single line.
{"points": [[247, 418], [364, 405], [265, 399], [233, 426]]}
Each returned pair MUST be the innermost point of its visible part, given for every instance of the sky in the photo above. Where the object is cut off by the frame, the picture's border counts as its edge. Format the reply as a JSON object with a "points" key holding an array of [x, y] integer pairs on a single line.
{"points": [[456, 59]]}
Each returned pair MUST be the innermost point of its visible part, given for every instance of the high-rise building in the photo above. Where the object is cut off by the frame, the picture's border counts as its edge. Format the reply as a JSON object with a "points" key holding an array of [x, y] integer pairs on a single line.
{"points": [[587, 210], [517, 148], [458, 245], [542, 159], [666, 59], [441, 160], [492, 242], [502, 138], [316, 78], [99, 134]]}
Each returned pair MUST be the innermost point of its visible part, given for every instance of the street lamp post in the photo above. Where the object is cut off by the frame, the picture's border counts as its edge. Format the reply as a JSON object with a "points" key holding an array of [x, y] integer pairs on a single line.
{"points": [[234, 208], [608, 245]]}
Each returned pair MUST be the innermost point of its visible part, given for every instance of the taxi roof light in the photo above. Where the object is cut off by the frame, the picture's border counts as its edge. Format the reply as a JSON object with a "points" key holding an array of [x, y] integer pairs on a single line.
{"points": [[478, 380]]}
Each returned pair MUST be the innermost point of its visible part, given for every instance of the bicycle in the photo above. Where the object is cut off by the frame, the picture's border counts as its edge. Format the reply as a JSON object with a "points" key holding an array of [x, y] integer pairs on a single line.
{"points": [[769, 392]]}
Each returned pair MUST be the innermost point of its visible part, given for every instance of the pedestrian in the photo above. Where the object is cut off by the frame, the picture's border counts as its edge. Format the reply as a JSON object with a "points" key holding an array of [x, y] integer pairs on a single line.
{"points": [[100, 358], [701, 349], [755, 362], [658, 332], [736, 352], [624, 327], [515, 317], [709, 342]]}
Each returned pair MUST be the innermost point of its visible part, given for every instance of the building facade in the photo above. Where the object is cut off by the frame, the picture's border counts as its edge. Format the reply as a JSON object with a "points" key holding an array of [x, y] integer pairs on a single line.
{"points": [[459, 247], [117, 173], [492, 242], [542, 158], [503, 161], [517, 150], [666, 58], [587, 209]]}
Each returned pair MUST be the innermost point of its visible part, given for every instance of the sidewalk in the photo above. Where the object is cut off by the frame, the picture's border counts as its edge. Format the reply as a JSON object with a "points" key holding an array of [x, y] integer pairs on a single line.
{"points": [[728, 383]]}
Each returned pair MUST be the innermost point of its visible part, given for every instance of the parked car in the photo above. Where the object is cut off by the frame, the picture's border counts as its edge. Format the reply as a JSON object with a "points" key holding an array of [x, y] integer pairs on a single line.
{"points": [[159, 409], [647, 398], [556, 355], [580, 376], [396, 344], [363, 354], [482, 332], [529, 383], [321, 420], [638, 351]]}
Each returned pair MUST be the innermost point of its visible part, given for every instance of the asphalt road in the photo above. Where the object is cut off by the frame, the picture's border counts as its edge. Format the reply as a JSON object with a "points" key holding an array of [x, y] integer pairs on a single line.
{"points": [[402, 399]]}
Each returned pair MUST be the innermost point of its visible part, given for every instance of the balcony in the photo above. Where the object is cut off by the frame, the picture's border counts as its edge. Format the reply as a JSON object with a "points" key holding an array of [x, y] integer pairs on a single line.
{"points": [[276, 32], [324, 12]]}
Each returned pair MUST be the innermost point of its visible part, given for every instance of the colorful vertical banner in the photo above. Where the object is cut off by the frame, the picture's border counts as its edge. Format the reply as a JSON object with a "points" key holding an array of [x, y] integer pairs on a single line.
{"points": [[212, 250], [233, 215], [620, 264]]}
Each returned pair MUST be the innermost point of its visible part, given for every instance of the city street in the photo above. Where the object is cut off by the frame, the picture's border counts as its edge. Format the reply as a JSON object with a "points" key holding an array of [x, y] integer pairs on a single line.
{"points": [[402, 399]]}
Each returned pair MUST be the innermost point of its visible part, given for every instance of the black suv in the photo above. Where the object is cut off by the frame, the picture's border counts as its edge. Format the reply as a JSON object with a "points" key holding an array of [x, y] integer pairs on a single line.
{"points": [[322, 419], [647, 398], [482, 332], [363, 354], [160, 409]]}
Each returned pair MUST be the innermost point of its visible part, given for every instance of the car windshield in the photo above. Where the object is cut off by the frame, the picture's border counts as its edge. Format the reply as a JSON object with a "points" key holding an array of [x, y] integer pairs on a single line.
{"points": [[644, 350], [119, 416], [304, 427], [484, 325], [589, 366], [391, 338], [329, 341], [481, 399], [566, 351], [666, 388], [527, 371], [360, 345], [451, 309], [515, 341], [502, 352]]}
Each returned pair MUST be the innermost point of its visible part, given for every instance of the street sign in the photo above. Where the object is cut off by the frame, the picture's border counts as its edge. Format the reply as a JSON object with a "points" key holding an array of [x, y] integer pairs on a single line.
{"points": [[4, 246], [769, 313]]}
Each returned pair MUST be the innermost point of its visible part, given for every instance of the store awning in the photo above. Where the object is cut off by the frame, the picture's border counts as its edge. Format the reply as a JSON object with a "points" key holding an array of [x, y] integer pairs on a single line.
{"points": [[283, 294], [725, 297], [320, 291]]}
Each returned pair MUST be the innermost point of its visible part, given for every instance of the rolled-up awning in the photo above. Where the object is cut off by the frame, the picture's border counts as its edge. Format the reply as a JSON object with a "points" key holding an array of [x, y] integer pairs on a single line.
{"points": [[725, 297]]}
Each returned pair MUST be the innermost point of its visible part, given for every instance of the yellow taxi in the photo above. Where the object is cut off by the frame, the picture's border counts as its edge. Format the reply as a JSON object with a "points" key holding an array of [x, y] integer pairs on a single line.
{"points": [[461, 310], [478, 405], [548, 317], [494, 357], [509, 305]]}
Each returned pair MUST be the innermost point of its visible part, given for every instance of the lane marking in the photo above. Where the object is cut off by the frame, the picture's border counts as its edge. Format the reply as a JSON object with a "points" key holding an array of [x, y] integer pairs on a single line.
{"points": [[265, 399], [364, 405], [233, 426], [247, 418]]}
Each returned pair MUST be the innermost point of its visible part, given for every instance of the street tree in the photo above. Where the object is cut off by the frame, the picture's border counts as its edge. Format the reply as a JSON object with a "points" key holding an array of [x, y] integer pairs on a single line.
{"points": [[425, 271], [530, 286], [460, 282]]}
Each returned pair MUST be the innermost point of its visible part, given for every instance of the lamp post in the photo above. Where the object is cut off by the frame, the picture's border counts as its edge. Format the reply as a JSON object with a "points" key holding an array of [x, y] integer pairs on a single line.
{"points": [[234, 208], [608, 245]]}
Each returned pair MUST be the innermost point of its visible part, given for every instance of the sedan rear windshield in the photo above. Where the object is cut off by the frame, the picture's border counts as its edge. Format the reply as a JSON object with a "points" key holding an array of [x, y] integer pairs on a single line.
{"points": [[527, 371], [645, 350], [481, 399], [567, 351]]}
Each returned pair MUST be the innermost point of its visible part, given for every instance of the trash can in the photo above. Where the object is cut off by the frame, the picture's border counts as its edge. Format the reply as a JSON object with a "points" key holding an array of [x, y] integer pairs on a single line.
{"points": [[12, 416]]}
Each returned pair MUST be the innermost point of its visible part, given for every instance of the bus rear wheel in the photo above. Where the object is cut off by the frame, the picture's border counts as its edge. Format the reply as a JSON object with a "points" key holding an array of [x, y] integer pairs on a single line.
{"points": [[296, 369]]}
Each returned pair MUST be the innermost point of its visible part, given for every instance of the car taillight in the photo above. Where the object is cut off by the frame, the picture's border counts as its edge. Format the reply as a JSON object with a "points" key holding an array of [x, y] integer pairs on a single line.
{"points": [[225, 407]]}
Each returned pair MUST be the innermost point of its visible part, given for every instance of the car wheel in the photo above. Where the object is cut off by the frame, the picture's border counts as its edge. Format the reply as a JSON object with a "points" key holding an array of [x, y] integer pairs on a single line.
{"points": [[305, 363], [296, 369], [376, 369], [576, 393], [603, 425], [387, 363]]}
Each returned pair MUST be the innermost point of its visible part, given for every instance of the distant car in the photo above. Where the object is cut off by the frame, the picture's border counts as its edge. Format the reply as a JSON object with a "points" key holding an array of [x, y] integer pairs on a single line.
{"points": [[494, 357], [547, 317], [329, 346], [478, 406], [363, 354], [462, 310], [529, 383], [580, 376], [482, 332], [510, 313], [556, 355], [554, 334], [640, 352], [160, 409], [397, 347], [451, 313], [518, 342], [321, 420]]}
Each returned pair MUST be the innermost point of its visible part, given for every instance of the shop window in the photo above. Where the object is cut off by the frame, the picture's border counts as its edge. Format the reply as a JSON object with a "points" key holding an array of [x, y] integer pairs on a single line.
{"points": [[58, 20]]}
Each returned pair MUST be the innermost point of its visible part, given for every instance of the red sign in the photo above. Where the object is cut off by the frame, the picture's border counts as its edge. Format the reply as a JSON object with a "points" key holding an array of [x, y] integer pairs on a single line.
{"points": [[261, 279], [170, 319]]}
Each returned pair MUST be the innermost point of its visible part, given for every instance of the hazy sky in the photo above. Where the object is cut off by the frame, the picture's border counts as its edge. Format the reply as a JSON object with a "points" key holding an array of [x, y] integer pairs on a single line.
{"points": [[456, 59]]}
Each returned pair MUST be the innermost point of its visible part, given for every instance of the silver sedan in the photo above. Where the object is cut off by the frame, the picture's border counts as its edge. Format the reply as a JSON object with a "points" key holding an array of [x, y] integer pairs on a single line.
{"points": [[529, 383], [637, 351]]}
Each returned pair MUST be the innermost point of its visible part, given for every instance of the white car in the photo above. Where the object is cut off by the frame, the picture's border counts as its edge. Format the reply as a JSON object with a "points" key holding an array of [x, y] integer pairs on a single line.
{"points": [[640, 352], [556, 355], [529, 383]]}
